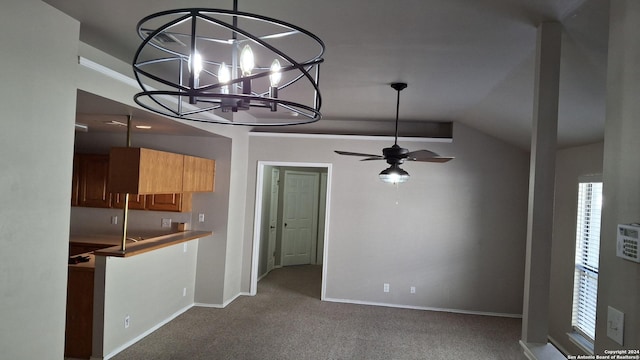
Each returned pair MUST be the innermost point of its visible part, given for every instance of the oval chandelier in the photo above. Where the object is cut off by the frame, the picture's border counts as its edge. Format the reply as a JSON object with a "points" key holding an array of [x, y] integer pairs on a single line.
{"points": [[210, 65]]}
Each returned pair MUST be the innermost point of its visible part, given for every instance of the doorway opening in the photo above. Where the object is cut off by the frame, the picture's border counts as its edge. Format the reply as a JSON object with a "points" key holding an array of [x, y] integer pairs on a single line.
{"points": [[291, 218]]}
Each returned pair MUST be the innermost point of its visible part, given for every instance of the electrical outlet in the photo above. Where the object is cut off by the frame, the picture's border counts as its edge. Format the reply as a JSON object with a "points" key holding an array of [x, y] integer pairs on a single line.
{"points": [[166, 222], [184, 291], [412, 290], [114, 220], [200, 217], [127, 321], [615, 325], [386, 287]]}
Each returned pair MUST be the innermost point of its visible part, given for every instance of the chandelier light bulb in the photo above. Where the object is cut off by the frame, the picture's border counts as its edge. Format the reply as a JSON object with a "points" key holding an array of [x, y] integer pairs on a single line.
{"points": [[246, 60], [276, 75], [223, 74], [195, 63], [223, 77]]}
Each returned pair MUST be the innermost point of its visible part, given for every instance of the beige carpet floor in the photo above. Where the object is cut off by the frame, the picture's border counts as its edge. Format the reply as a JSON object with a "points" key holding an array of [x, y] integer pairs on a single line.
{"points": [[287, 320]]}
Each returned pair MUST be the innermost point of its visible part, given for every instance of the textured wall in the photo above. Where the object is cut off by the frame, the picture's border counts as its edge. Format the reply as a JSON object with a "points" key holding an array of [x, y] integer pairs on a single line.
{"points": [[36, 147], [571, 163], [619, 280], [455, 231]]}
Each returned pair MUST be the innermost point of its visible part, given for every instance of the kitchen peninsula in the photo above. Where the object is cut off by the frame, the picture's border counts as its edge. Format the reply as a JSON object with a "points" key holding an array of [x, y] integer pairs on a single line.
{"points": [[118, 294], [117, 297]]}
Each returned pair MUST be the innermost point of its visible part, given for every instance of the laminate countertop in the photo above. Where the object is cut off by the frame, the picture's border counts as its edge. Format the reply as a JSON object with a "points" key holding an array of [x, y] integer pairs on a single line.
{"points": [[146, 242]]}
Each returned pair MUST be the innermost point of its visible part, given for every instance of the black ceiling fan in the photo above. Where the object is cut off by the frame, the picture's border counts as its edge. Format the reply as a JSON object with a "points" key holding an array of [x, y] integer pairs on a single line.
{"points": [[396, 155]]}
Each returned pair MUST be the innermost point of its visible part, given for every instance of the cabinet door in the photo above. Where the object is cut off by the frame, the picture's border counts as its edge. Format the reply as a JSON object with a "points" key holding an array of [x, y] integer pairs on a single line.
{"points": [[79, 319], [169, 202], [94, 172], [198, 174], [75, 182], [145, 171], [136, 201]]}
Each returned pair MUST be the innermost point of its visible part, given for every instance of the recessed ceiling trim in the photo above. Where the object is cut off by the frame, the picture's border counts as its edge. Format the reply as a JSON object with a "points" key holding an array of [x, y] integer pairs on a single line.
{"points": [[349, 137], [106, 71]]}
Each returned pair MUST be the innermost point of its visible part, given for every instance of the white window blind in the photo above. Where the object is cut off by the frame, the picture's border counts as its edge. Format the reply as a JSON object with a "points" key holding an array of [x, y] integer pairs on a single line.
{"points": [[585, 288]]}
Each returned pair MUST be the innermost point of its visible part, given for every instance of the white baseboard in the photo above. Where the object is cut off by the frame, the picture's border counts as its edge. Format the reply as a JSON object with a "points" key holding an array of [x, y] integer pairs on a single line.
{"points": [[457, 311], [144, 334], [223, 305], [262, 276]]}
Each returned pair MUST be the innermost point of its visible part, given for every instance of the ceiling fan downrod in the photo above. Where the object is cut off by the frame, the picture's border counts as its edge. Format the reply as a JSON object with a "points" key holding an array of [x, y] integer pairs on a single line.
{"points": [[398, 87]]}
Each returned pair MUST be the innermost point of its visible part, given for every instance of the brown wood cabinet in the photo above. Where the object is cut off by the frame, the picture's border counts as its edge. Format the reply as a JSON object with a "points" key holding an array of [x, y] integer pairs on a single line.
{"points": [[169, 202], [75, 182], [155, 202], [198, 174], [145, 171], [79, 319], [136, 201], [163, 181], [93, 173]]}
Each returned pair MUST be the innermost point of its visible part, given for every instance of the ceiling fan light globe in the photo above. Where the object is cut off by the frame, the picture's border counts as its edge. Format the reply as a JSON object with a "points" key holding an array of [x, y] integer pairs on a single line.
{"points": [[394, 175]]}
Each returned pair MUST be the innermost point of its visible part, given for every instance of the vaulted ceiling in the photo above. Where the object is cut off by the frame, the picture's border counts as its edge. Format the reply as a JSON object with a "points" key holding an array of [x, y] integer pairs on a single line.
{"points": [[469, 61]]}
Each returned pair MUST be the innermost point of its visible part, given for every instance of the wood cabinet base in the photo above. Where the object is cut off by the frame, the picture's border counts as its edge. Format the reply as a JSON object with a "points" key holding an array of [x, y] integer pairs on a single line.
{"points": [[79, 325]]}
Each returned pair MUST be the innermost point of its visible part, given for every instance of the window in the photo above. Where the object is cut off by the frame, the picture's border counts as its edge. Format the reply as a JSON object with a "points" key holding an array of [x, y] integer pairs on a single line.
{"points": [[585, 286]]}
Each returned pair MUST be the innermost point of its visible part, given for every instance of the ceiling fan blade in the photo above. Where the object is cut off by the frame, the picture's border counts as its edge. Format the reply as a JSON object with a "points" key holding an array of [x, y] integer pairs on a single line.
{"points": [[421, 155], [435, 159], [356, 154], [373, 158]]}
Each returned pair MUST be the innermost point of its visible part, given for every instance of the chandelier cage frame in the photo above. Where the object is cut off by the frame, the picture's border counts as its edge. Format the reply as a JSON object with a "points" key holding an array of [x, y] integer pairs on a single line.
{"points": [[190, 101]]}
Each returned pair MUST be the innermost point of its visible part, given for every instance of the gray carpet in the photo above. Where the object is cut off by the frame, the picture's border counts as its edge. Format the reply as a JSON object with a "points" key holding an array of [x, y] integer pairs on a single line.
{"points": [[286, 320]]}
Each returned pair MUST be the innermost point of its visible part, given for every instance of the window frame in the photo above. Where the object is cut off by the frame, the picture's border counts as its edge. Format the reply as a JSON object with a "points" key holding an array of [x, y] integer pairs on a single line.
{"points": [[586, 264]]}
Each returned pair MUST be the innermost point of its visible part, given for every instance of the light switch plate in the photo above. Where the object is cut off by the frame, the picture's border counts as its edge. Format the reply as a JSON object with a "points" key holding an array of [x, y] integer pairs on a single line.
{"points": [[615, 325]]}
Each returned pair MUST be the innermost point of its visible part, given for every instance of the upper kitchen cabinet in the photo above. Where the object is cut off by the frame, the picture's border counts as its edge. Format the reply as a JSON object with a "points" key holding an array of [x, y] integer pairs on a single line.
{"points": [[198, 174], [169, 202], [91, 179], [147, 171], [75, 182], [136, 202]]}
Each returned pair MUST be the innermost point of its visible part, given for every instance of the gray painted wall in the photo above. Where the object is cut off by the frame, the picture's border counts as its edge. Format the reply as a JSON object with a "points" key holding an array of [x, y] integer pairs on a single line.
{"points": [[619, 280], [39, 47], [571, 163], [456, 231], [152, 296]]}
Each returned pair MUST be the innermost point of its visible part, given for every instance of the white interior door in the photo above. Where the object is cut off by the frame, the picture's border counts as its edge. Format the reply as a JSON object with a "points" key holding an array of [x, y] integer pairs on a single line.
{"points": [[273, 219], [300, 217]]}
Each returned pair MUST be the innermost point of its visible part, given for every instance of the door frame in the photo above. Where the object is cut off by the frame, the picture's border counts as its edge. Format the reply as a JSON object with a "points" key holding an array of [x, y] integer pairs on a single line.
{"points": [[257, 219], [271, 245]]}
